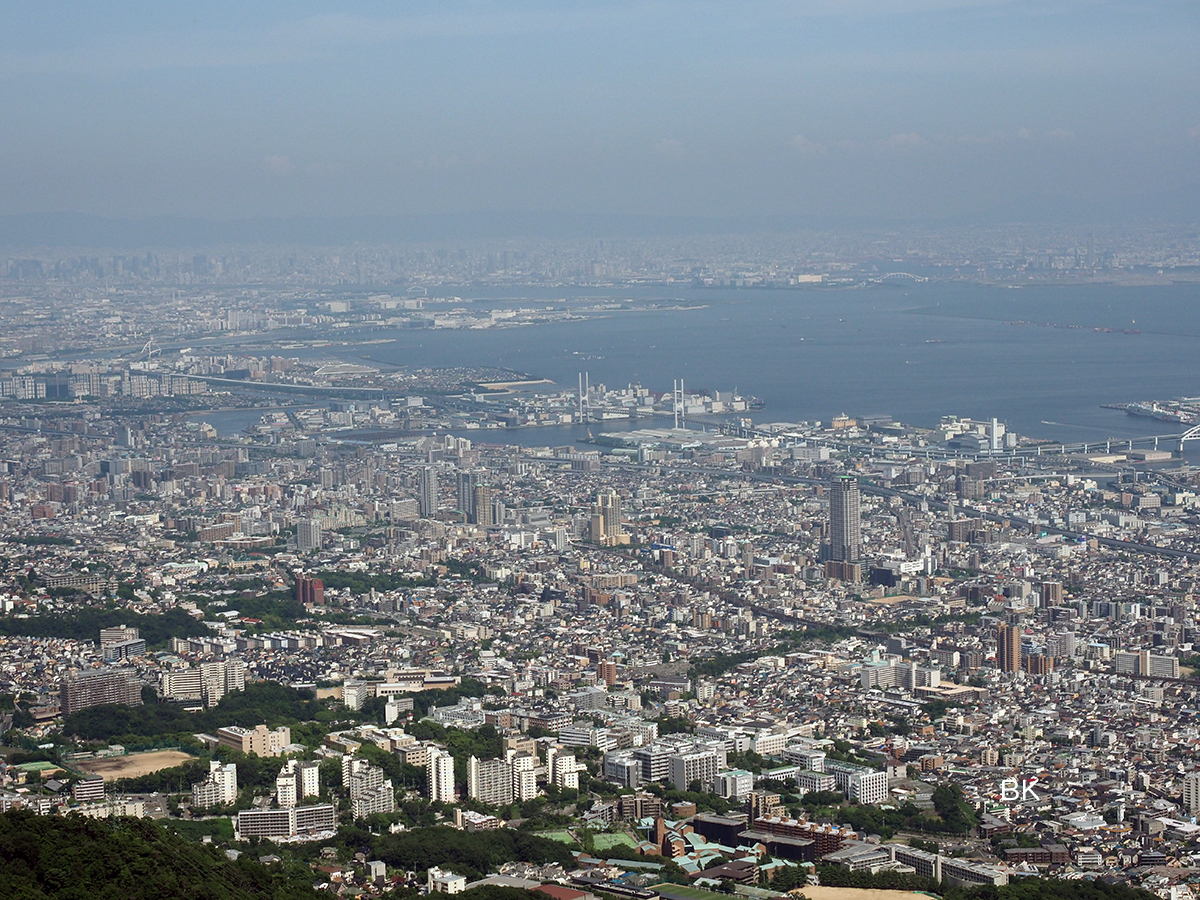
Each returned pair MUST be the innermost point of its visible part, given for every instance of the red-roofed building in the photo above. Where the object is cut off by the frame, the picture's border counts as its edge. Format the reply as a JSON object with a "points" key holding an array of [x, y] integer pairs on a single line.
{"points": [[558, 892]]}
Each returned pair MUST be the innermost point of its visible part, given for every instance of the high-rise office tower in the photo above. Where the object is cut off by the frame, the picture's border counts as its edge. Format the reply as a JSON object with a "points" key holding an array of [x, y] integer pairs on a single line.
{"points": [[1008, 648], [845, 535], [428, 499]]}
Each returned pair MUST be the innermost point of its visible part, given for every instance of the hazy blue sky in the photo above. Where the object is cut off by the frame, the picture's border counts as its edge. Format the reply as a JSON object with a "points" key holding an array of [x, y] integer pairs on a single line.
{"points": [[1059, 109]]}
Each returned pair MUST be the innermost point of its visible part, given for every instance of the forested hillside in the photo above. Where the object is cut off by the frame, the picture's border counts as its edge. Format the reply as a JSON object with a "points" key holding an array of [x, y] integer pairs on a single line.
{"points": [[74, 858]]}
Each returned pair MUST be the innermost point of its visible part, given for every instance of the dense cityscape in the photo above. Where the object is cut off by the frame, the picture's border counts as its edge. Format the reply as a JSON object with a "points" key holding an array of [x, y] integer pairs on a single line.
{"points": [[518, 450], [377, 635], [802, 258]]}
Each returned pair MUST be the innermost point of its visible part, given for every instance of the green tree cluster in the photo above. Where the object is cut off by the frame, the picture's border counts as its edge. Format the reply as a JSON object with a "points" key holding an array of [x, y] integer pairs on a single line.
{"points": [[362, 582], [423, 701], [837, 876], [957, 815], [675, 725], [886, 822], [75, 858], [705, 802], [254, 773], [468, 570], [826, 633], [483, 742], [1048, 889], [1019, 889], [84, 624], [261, 701], [748, 760], [472, 854], [275, 610], [721, 663]]}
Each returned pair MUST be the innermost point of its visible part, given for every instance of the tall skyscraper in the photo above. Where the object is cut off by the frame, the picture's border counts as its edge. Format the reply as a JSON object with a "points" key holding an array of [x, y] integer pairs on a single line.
{"points": [[428, 486], [466, 494], [606, 517], [1051, 593], [308, 535], [845, 535], [1008, 648], [481, 506]]}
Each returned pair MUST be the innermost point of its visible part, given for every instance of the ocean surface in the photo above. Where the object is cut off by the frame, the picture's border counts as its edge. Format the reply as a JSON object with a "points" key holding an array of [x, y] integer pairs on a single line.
{"points": [[1042, 359]]}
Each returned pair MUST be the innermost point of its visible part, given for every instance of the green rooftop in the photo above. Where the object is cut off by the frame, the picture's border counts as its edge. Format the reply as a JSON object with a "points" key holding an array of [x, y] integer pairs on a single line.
{"points": [[40, 766]]}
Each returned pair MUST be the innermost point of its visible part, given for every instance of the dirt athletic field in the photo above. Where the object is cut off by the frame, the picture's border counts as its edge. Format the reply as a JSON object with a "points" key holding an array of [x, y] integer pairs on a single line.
{"points": [[839, 893], [135, 764]]}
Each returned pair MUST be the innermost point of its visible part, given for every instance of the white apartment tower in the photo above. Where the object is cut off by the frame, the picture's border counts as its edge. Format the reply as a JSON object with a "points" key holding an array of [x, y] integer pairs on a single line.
{"points": [[219, 788], [440, 774], [489, 781], [1191, 793], [296, 781], [308, 535], [428, 487], [565, 771], [287, 789]]}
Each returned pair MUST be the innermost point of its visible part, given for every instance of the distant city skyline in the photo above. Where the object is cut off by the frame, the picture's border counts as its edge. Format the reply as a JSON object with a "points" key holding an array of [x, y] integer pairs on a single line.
{"points": [[916, 110]]}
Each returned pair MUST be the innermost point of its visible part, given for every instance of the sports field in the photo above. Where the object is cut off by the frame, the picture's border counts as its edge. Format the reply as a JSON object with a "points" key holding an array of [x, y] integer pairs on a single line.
{"points": [[605, 841], [560, 836], [686, 891], [845, 893], [114, 767]]}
